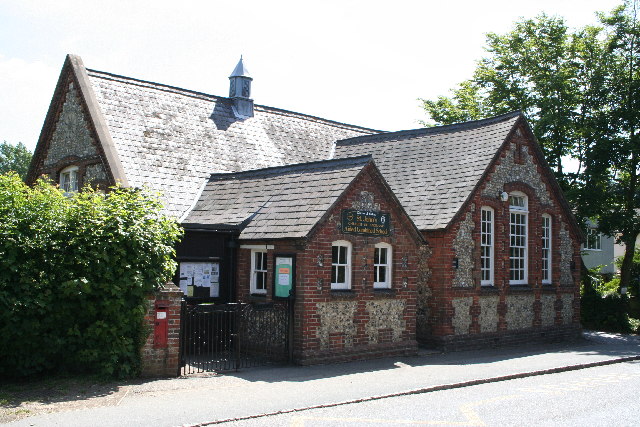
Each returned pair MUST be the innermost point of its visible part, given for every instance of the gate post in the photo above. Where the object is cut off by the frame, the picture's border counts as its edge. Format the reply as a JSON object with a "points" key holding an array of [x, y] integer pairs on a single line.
{"points": [[161, 351], [238, 332], [290, 317]]}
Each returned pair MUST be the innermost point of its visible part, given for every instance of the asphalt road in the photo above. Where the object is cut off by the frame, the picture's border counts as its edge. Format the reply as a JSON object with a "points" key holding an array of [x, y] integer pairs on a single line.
{"points": [[606, 395], [571, 398]]}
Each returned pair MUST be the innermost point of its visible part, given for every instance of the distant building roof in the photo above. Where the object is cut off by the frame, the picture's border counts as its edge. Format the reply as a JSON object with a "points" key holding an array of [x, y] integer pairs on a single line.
{"points": [[273, 203], [434, 170]]}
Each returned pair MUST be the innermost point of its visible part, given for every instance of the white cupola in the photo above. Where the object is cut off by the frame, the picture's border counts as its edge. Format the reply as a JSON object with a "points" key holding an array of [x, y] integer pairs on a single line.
{"points": [[240, 91]]}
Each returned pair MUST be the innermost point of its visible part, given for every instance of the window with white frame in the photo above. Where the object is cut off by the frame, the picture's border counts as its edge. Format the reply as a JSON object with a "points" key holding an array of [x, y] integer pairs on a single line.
{"points": [[593, 240], [69, 179], [518, 215], [546, 249], [341, 265], [258, 272], [486, 246], [382, 265]]}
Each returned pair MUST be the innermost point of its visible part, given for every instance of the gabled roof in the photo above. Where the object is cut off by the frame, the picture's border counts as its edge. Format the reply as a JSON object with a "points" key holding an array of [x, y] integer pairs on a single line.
{"points": [[274, 203], [434, 170], [172, 139]]}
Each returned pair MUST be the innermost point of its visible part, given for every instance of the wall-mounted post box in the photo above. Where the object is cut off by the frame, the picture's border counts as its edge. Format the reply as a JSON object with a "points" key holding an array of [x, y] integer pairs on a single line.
{"points": [[161, 325]]}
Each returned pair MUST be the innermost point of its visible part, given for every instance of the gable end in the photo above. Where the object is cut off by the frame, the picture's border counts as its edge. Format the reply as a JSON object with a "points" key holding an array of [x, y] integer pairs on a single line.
{"points": [[72, 135]]}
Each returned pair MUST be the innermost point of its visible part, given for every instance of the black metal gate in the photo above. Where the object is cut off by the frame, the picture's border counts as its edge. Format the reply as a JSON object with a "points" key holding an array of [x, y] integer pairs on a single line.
{"points": [[222, 337]]}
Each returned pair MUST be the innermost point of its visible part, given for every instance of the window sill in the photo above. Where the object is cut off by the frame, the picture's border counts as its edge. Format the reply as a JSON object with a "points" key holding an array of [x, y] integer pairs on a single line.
{"points": [[462, 287], [343, 293], [261, 295], [384, 291], [489, 289], [520, 287]]}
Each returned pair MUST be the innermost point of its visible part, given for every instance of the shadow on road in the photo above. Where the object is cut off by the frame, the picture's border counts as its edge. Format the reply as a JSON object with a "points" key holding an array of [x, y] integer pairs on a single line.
{"points": [[592, 343]]}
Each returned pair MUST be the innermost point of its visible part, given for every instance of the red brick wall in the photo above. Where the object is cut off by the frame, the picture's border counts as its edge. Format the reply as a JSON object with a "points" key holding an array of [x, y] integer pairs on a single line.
{"points": [[159, 360], [440, 315], [320, 333]]}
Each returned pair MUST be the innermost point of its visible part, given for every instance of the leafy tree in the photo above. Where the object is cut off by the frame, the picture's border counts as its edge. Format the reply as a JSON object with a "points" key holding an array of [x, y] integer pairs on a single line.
{"points": [[581, 92], [612, 180], [14, 158], [544, 70]]}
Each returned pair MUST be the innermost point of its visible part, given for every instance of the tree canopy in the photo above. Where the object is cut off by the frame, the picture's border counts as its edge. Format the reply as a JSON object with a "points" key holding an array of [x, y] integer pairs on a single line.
{"points": [[580, 91], [14, 158]]}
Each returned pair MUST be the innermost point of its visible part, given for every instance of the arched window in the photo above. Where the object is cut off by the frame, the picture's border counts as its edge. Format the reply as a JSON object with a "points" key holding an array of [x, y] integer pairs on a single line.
{"points": [[341, 265], [69, 179], [486, 246], [518, 215], [382, 265], [546, 249]]}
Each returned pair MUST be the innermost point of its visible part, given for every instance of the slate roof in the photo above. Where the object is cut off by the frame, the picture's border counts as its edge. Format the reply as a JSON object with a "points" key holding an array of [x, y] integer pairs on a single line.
{"points": [[433, 171], [273, 203], [172, 139]]}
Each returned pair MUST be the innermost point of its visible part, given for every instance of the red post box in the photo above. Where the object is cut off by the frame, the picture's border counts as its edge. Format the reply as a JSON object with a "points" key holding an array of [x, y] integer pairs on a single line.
{"points": [[161, 325]]}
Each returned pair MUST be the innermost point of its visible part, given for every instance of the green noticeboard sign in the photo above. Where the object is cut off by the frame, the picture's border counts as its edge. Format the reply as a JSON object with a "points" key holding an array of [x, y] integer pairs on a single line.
{"points": [[371, 223], [283, 277]]}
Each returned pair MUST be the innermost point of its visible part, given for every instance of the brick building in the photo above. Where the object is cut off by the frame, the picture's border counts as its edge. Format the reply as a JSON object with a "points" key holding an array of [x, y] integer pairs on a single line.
{"points": [[481, 248], [355, 288], [504, 245]]}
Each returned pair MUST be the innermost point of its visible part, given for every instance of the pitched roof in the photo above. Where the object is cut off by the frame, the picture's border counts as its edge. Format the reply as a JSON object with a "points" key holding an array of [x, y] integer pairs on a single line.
{"points": [[273, 203], [240, 70], [434, 170], [172, 139]]}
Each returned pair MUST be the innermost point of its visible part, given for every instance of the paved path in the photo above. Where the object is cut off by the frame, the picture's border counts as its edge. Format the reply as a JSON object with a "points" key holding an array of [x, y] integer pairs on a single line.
{"points": [[251, 392]]}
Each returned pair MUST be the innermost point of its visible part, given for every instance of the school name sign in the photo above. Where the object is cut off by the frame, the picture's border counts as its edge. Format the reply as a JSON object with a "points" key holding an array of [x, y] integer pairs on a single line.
{"points": [[370, 223]]}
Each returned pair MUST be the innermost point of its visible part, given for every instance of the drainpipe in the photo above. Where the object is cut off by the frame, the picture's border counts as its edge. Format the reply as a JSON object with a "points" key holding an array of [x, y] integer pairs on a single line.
{"points": [[232, 245]]}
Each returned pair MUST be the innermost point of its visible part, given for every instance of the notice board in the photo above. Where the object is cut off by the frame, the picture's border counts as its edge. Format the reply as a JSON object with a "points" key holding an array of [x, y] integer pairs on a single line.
{"points": [[200, 279]]}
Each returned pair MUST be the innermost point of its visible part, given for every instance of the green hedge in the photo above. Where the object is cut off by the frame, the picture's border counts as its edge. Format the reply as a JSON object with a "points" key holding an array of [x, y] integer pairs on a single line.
{"points": [[602, 307], [74, 276]]}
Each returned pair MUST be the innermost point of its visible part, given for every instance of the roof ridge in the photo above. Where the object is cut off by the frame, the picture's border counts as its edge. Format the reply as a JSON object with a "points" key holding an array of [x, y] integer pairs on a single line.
{"points": [[364, 159], [473, 124], [202, 95]]}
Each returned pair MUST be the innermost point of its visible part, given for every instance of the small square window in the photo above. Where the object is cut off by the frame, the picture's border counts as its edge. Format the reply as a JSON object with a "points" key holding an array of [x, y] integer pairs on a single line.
{"points": [[69, 180]]}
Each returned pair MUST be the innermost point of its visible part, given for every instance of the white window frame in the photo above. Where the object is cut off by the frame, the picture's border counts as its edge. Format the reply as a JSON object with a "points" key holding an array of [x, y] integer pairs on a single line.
{"points": [[594, 240], [336, 266], [487, 239], [386, 284], [518, 205], [547, 249], [257, 272], [69, 180]]}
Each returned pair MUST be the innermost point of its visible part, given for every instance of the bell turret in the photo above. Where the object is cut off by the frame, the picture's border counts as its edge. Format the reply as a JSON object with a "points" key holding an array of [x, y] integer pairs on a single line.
{"points": [[240, 91]]}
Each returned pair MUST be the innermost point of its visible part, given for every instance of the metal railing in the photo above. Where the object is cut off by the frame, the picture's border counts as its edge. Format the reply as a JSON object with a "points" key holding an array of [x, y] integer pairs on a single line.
{"points": [[223, 337]]}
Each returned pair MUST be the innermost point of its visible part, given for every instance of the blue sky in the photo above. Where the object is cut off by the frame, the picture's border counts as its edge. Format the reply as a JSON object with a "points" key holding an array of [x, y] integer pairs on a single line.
{"points": [[358, 62]]}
